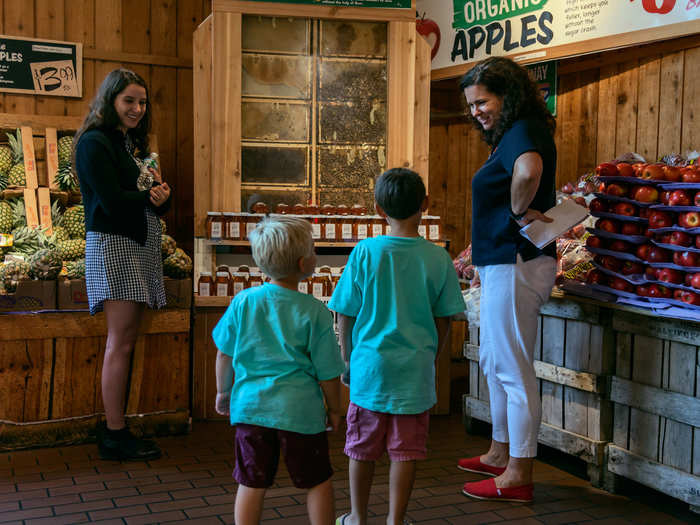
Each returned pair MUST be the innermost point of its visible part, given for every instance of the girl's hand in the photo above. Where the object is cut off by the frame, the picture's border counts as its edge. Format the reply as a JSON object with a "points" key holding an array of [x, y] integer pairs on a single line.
{"points": [[160, 194], [223, 403], [156, 175], [333, 420], [533, 215]]}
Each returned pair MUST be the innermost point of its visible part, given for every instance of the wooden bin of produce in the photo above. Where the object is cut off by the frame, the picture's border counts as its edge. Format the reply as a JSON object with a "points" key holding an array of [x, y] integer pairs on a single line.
{"points": [[50, 376], [573, 355], [656, 396]]}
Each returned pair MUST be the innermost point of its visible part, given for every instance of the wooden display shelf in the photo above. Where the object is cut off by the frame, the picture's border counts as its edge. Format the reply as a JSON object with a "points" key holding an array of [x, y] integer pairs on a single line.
{"points": [[317, 244], [212, 301]]}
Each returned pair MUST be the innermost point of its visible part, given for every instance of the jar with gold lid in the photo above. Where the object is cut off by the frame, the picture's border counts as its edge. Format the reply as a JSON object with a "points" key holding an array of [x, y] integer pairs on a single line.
{"points": [[205, 284], [222, 284], [215, 225], [239, 282]]}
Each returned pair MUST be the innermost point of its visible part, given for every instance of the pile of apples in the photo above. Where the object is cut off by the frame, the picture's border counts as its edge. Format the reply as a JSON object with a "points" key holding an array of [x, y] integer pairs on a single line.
{"points": [[681, 241]]}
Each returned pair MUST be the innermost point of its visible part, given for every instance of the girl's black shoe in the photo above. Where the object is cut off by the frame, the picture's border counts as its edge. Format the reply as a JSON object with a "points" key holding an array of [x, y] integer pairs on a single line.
{"points": [[123, 445]]}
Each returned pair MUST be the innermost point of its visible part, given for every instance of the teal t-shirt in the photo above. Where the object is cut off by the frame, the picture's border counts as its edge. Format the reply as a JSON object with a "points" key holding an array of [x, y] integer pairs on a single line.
{"points": [[282, 344], [394, 287]]}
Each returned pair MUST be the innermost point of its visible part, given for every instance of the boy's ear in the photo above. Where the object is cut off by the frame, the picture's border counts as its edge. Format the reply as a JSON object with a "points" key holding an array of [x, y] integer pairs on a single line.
{"points": [[380, 211], [424, 206], [300, 264]]}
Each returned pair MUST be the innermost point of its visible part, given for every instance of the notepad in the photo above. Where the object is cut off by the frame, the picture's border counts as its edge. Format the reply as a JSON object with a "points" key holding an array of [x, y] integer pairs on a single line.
{"points": [[566, 215]]}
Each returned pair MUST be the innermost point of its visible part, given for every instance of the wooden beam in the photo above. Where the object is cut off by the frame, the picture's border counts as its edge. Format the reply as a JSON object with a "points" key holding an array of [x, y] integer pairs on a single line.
{"points": [[401, 54], [136, 58], [659, 327], [37, 122], [316, 11]]}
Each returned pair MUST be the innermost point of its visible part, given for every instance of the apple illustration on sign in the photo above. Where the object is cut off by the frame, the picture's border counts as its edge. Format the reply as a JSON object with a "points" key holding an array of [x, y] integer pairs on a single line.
{"points": [[430, 30]]}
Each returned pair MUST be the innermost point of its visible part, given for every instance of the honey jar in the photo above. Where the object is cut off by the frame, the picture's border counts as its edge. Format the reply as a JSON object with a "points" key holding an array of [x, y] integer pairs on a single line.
{"points": [[233, 227], [433, 227], [299, 209], [222, 284], [215, 225], [255, 279], [316, 224], [282, 209], [239, 282], [377, 226], [329, 232], [260, 207], [205, 284], [303, 286], [318, 285], [313, 209]]}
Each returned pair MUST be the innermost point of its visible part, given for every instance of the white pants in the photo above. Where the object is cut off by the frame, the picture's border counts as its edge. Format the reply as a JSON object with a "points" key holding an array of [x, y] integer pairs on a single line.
{"points": [[511, 297]]}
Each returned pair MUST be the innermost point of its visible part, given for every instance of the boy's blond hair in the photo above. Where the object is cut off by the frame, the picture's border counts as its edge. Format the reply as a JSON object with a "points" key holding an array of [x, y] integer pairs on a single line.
{"points": [[278, 242]]}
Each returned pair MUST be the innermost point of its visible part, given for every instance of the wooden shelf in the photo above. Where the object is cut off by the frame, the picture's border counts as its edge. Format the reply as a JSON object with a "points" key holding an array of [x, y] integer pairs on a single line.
{"points": [[212, 302], [317, 244]]}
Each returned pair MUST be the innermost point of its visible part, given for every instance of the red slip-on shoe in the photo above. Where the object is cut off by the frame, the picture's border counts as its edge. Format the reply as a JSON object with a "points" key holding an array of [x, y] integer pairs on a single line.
{"points": [[487, 490], [475, 465]]}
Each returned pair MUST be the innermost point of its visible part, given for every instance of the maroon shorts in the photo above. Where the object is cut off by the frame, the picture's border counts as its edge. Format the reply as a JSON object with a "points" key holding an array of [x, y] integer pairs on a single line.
{"points": [[258, 453]]}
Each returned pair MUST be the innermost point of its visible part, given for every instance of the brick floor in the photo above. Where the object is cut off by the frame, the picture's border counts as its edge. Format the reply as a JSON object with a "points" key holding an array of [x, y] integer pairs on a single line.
{"points": [[192, 483]]}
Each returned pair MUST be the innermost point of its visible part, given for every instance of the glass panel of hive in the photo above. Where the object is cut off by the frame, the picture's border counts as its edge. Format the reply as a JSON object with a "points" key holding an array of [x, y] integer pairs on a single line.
{"points": [[352, 122], [352, 166], [356, 39], [351, 80], [276, 35], [274, 121], [276, 76], [278, 164], [349, 197]]}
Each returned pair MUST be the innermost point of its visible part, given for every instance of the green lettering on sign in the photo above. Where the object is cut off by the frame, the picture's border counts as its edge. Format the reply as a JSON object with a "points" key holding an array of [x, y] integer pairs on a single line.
{"points": [[396, 4], [468, 13], [545, 75]]}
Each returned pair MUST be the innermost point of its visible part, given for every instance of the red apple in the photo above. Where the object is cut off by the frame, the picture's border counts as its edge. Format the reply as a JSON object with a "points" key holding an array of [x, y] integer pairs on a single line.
{"points": [[625, 170], [621, 246], [616, 189], [630, 268], [696, 199], [611, 263], [657, 290], [608, 225], [644, 213], [657, 254], [595, 242], [430, 30], [697, 241], [660, 219], [691, 298], [644, 194], [568, 188], [643, 251], [690, 174], [642, 290], [680, 239], [665, 195], [638, 168], [599, 205], [647, 232], [606, 169], [690, 219], [651, 273], [625, 208], [669, 275], [688, 278], [680, 198], [672, 174], [653, 172], [695, 280], [618, 283], [596, 277], [631, 228], [678, 294], [664, 238], [685, 258]]}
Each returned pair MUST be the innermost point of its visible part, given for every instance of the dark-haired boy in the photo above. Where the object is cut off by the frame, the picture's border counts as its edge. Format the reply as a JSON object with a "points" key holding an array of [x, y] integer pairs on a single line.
{"points": [[394, 301]]}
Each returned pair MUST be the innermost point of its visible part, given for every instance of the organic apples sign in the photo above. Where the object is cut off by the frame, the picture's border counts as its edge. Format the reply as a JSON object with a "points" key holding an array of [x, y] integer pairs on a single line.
{"points": [[472, 30]]}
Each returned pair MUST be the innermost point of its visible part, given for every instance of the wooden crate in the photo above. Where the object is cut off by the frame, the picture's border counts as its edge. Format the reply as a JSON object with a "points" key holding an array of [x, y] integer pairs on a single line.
{"points": [[656, 396], [574, 354], [50, 368]]}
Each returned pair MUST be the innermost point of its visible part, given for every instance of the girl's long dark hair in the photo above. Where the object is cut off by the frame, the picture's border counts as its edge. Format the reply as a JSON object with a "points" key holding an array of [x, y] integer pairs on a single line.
{"points": [[103, 115], [521, 98]]}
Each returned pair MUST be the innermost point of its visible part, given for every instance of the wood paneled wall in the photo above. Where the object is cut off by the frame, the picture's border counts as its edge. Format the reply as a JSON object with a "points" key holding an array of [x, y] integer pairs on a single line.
{"points": [[644, 99], [151, 37]]}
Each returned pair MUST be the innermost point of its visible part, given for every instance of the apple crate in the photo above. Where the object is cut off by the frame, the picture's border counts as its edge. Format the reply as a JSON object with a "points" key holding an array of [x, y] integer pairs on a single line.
{"points": [[655, 393], [574, 355]]}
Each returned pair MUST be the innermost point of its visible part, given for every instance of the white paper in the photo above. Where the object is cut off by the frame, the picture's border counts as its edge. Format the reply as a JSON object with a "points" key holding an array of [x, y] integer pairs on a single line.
{"points": [[566, 215]]}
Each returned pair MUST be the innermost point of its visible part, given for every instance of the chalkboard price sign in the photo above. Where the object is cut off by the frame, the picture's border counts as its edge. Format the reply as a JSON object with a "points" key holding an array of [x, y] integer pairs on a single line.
{"points": [[41, 67]]}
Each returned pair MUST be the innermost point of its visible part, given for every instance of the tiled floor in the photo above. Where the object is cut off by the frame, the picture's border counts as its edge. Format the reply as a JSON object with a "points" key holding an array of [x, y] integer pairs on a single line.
{"points": [[192, 482]]}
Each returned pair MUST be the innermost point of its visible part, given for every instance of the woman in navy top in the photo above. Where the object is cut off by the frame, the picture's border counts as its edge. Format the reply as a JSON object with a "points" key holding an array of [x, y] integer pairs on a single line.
{"points": [[123, 269], [514, 187]]}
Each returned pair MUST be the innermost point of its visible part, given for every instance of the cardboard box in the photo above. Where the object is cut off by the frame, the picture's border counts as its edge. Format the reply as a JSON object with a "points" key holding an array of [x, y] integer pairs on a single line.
{"points": [[72, 294], [178, 292], [30, 296]]}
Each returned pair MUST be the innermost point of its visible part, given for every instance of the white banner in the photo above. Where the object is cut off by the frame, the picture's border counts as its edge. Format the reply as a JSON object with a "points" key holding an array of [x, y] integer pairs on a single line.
{"points": [[463, 31]]}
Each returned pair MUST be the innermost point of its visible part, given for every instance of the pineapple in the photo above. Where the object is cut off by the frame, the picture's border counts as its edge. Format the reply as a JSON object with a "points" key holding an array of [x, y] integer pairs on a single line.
{"points": [[28, 240], [16, 176], [59, 234], [167, 245], [163, 227], [65, 150], [74, 222], [6, 158], [13, 272], [71, 249], [6, 217], [19, 213], [65, 179], [75, 269], [4, 181], [45, 265], [178, 265]]}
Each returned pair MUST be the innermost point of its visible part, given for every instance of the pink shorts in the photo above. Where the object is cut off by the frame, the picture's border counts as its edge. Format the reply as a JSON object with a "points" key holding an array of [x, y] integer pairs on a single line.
{"points": [[369, 434]]}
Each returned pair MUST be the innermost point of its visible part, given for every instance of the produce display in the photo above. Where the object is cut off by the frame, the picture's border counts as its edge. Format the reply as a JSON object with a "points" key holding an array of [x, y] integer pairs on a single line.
{"points": [[645, 241]]}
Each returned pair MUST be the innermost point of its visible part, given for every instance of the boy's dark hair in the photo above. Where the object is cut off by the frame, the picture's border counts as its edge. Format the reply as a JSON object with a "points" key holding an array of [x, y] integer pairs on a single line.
{"points": [[400, 192]]}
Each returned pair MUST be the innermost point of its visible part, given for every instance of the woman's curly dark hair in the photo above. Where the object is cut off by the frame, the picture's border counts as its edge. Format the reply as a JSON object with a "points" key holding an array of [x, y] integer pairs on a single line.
{"points": [[521, 98], [103, 115]]}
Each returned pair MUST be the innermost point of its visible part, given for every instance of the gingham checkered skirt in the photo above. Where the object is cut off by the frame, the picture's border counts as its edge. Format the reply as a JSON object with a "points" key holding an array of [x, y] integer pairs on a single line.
{"points": [[119, 268]]}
